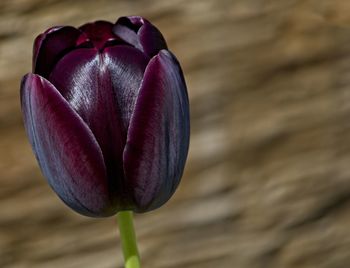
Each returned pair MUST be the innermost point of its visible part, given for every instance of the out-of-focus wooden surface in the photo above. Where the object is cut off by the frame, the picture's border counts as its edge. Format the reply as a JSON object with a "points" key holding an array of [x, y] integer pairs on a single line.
{"points": [[267, 183]]}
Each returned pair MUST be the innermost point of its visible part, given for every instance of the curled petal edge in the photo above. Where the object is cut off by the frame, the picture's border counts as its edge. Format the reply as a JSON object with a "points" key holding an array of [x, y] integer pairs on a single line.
{"points": [[51, 45], [140, 33]]}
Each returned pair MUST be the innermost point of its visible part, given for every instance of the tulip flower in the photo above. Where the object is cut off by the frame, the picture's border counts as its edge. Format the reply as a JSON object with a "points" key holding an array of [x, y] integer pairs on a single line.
{"points": [[106, 112]]}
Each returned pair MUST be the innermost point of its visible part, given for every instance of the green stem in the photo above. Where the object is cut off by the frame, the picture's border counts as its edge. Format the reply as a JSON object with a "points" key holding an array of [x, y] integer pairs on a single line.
{"points": [[128, 239]]}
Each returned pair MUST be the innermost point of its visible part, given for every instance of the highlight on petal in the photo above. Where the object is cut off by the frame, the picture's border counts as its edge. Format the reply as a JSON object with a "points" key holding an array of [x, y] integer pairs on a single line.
{"points": [[126, 67], [102, 88], [50, 46], [158, 136], [140, 33], [127, 31], [66, 149]]}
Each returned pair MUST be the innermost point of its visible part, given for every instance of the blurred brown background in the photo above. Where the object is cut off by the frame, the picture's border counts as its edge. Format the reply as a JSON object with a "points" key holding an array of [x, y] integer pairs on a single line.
{"points": [[267, 182]]}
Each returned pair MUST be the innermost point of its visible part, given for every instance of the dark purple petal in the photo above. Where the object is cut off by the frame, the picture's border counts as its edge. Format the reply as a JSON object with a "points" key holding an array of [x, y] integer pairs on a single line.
{"points": [[128, 32], [151, 39], [140, 33], [158, 136], [101, 88], [65, 147], [38, 41], [99, 32], [50, 46], [83, 79]]}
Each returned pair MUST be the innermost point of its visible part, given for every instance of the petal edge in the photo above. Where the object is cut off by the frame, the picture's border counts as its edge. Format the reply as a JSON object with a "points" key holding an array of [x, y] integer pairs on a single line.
{"points": [[51, 45], [140, 33]]}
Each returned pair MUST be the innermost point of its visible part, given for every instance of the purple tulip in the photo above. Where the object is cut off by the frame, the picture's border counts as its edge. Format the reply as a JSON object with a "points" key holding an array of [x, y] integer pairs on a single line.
{"points": [[106, 111]]}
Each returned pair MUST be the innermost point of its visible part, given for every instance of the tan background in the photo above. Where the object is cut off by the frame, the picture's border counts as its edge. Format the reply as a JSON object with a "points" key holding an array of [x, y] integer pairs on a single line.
{"points": [[267, 182]]}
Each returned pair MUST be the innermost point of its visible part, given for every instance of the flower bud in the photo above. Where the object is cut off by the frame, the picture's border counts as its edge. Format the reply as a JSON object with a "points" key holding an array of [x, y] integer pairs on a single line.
{"points": [[107, 114]]}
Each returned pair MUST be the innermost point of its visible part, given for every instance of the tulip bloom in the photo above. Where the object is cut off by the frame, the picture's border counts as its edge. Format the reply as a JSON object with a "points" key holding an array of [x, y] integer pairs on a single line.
{"points": [[106, 111]]}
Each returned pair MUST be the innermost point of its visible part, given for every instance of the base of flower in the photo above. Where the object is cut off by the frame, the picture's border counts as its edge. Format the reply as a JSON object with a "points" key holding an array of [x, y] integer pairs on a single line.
{"points": [[128, 239]]}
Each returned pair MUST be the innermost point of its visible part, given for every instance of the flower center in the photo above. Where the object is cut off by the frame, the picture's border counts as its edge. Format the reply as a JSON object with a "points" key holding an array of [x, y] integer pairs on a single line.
{"points": [[99, 33]]}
